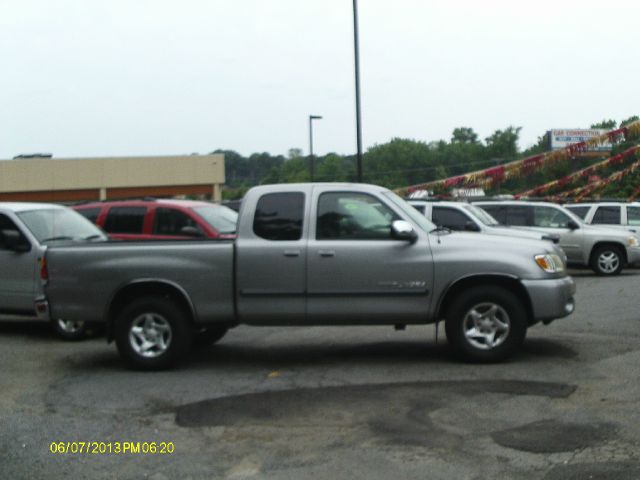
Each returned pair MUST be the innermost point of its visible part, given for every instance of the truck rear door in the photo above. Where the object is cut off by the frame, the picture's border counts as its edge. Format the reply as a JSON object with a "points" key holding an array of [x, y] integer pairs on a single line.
{"points": [[271, 258]]}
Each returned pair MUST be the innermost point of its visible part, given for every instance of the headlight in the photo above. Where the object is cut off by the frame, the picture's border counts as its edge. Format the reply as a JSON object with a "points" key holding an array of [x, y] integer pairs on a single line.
{"points": [[550, 263], [632, 241]]}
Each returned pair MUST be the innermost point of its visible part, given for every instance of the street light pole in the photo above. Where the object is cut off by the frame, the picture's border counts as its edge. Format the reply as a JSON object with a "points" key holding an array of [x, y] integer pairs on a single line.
{"points": [[356, 48], [311, 163]]}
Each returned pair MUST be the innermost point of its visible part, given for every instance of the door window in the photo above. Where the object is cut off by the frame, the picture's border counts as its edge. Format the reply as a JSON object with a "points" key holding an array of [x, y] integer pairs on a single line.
{"points": [[90, 213], [607, 215], [496, 211], [633, 216], [449, 218], [517, 215], [169, 221], [125, 220], [279, 216], [579, 211], [353, 216], [550, 217], [6, 224]]}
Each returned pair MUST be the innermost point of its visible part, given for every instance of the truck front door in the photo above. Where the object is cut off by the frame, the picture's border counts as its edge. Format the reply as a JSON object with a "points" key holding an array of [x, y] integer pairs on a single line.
{"points": [[356, 272]]}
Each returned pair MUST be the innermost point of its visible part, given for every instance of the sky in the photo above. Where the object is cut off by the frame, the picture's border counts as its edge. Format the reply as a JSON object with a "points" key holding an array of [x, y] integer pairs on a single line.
{"points": [[159, 77]]}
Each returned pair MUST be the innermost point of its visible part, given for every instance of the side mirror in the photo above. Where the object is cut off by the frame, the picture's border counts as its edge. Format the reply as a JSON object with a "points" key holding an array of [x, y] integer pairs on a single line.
{"points": [[15, 242], [470, 226], [191, 232], [572, 225], [401, 230]]}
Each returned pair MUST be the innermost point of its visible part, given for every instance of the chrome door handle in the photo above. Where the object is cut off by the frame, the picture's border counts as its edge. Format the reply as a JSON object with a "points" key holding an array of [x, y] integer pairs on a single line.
{"points": [[327, 253], [292, 253]]}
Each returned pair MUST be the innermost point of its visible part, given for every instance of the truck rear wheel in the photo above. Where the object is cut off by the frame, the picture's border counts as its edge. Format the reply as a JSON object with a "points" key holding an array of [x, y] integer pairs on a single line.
{"points": [[152, 333], [486, 324]]}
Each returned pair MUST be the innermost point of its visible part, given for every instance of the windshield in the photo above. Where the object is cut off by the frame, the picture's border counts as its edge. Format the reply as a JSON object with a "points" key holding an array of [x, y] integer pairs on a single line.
{"points": [[411, 212], [482, 215], [60, 224], [221, 218]]}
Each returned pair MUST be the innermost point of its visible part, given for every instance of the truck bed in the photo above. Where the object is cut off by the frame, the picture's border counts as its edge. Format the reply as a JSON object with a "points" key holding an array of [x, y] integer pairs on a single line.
{"points": [[202, 269]]}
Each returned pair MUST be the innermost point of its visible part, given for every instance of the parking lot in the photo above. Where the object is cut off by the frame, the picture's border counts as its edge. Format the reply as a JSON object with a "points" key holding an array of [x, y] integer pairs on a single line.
{"points": [[365, 402]]}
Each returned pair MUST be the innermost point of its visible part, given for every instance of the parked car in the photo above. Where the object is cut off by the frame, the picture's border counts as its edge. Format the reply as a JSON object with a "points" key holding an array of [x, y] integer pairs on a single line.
{"points": [[611, 214], [161, 219], [313, 254], [26, 231], [605, 250], [463, 216]]}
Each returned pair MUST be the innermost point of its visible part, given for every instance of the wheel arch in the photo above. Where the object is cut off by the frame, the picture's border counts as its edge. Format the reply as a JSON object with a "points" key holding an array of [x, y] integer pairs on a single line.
{"points": [[146, 287], [508, 282], [609, 243]]}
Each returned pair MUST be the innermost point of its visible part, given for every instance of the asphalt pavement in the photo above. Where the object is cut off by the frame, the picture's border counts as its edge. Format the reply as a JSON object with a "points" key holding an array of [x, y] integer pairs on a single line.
{"points": [[335, 402]]}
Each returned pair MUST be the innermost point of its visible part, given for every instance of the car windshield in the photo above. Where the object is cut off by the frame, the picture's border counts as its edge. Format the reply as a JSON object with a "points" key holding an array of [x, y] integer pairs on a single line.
{"points": [[49, 225], [482, 215], [221, 218], [411, 212]]}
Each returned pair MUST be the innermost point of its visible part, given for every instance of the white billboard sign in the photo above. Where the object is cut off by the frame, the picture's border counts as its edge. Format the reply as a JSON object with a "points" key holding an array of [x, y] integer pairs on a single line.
{"points": [[562, 138]]}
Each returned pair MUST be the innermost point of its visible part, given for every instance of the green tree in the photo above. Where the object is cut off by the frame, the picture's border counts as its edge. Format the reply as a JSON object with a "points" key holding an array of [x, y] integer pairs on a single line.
{"points": [[605, 124], [464, 135]]}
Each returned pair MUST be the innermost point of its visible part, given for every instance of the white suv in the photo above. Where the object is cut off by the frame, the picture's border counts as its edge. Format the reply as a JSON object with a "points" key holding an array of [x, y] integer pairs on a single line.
{"points": [[611, 214], [606, 250], [463, 216]]}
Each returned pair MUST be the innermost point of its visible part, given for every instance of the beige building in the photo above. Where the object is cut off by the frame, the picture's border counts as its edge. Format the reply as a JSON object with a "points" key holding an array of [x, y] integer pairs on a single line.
{"points": [[44, 179]]}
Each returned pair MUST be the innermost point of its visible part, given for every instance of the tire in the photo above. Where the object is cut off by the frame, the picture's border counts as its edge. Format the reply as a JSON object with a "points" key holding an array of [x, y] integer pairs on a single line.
{"points": [[486, 324], [607, 260], [210, 335], [69, 330], [153, 333]]}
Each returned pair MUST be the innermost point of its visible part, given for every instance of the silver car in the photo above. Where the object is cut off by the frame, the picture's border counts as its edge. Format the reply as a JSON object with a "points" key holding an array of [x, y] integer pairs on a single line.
{"points": [[463, 216], [26, 230], [605, 250]]}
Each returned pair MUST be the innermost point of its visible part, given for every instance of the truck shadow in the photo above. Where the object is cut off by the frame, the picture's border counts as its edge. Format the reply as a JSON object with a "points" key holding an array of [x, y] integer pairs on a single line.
{"points": [[231, 356], [35, 329]]}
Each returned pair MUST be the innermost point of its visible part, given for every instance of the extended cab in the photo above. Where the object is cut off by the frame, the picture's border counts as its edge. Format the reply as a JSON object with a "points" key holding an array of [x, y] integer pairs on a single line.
{"points": [[313, 254]]}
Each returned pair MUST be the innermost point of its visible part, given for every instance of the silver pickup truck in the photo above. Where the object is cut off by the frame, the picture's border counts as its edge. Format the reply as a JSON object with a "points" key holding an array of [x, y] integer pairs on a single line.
{"points": [[313, 254]]}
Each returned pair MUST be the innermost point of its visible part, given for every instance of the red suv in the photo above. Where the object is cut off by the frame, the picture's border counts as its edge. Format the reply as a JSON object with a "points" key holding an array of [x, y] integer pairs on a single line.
{"points": [[161, 219]]}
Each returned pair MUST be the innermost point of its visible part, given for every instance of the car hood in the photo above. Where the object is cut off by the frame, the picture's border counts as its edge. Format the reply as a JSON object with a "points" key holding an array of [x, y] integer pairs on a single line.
{"points": [[513, 232]]}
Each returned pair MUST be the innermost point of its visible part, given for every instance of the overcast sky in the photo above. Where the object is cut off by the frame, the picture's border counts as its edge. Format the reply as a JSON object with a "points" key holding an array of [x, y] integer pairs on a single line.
{"points": [[161, 77]]}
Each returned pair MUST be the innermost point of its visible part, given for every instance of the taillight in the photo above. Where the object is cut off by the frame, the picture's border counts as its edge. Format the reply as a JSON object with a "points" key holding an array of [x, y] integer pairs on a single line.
{"points": [[44, 272]]}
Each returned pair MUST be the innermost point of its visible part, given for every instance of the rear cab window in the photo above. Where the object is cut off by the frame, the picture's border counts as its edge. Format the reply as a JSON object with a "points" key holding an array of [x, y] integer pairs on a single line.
{"points": [[279, 216]]}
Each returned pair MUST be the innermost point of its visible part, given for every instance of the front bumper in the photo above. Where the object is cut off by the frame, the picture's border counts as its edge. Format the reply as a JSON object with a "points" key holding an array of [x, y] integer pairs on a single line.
{"points": [[633, 255], [551, 298]]}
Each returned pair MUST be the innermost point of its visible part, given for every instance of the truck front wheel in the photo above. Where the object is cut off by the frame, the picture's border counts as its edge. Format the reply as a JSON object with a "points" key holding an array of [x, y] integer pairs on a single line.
{"points": [[152, 333], [486, 324]]}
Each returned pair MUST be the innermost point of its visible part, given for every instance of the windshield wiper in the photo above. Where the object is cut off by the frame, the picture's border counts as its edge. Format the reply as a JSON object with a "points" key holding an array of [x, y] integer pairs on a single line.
{"points": [[53, 239], [93, 237], [441, 229]]}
